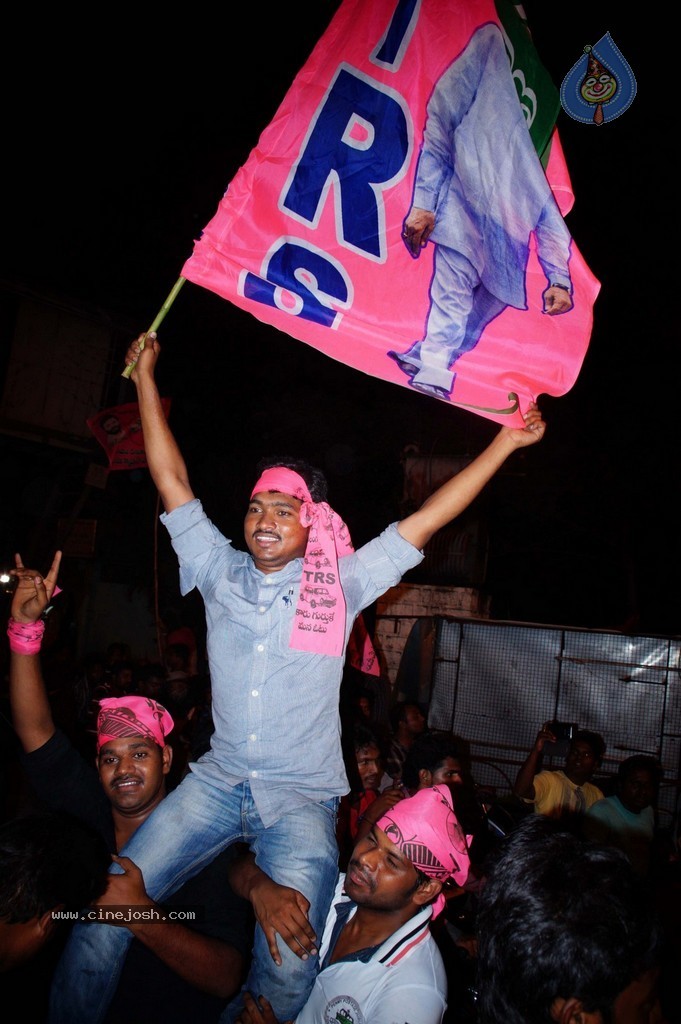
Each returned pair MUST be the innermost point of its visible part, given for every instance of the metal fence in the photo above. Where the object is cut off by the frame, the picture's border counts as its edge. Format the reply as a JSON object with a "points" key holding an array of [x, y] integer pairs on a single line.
{"points": [[495, 684]]}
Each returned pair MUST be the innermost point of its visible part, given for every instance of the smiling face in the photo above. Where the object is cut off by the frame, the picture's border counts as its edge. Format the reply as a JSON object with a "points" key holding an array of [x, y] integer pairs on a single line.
{"points": [[132, 772], [272, 530]]}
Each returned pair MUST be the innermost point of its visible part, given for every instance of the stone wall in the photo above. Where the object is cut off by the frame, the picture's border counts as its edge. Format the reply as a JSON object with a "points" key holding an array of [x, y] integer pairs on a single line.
{"points": [[401, 606]]}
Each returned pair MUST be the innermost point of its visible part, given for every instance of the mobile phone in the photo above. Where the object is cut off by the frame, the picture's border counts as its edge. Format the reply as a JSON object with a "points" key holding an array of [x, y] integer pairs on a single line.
{"points": [[563, 730]]}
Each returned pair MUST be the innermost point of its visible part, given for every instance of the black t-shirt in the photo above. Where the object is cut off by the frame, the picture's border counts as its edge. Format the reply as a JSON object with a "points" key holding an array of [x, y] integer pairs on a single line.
{"points": [[148, 989]]}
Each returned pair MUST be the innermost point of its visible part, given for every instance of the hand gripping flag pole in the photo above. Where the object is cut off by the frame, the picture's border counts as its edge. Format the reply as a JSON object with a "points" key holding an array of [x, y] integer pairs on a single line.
{"points": [[160, 317]]}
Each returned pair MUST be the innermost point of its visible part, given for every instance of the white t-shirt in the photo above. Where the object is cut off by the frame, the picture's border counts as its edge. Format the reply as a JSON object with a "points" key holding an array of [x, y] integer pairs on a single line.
{"points": [[402, 981]]}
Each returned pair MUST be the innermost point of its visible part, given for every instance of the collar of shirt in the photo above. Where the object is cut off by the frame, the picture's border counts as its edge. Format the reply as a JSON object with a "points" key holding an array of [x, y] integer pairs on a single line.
{"points": [[388, 952]]}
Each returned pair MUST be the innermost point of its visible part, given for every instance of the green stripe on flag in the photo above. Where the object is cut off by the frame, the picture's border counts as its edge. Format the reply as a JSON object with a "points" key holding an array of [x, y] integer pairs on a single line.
{"points": [[537, 94]]}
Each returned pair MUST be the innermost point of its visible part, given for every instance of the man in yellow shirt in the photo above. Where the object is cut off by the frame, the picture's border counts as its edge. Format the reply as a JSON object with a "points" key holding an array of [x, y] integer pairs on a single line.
{"points": [[557, 794]]}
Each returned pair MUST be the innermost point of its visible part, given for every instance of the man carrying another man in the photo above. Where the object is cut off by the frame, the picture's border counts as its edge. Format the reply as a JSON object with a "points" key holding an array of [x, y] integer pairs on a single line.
{"points": [[379, 962], [171, 969]]}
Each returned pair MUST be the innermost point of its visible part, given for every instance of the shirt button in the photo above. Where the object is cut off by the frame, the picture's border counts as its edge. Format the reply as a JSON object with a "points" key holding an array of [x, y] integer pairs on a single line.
{"points": [[260, 647], [262, 608], [252, 736], [255, 693], [254, 775]]}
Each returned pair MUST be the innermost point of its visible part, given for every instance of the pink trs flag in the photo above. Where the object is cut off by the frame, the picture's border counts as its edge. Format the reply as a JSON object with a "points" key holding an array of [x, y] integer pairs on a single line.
{"points": [[403, 211]]}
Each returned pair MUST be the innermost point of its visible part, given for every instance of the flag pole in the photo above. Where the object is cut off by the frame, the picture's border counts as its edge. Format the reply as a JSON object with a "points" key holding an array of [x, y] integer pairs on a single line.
{"points": [[160, 317]]}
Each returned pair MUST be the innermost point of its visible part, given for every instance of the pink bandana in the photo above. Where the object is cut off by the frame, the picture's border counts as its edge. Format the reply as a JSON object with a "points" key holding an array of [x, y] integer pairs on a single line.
{"points": [[120, 717], [319, 625], [424, 827]]}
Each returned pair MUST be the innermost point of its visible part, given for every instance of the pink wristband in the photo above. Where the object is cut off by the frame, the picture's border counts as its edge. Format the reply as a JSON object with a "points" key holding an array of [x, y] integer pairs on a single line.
{"points": [[25, 637]]}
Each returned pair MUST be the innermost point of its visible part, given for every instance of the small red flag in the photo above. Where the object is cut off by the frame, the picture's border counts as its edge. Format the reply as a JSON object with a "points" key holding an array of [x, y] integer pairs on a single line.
{"points": [[119, 431]]}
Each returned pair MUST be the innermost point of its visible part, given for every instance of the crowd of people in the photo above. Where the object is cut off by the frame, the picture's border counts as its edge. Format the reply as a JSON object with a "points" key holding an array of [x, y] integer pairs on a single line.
{"points": [[55, 853], [82, 815], [272, 856]]}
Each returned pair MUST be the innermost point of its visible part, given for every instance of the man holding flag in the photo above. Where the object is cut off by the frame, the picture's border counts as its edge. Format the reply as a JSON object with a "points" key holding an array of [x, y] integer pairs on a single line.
{"points": [[274, 774]]}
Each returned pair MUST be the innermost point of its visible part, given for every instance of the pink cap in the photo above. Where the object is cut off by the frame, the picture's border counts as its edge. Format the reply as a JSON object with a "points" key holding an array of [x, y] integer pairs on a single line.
{"points": [[425, 828], [120, 717]]}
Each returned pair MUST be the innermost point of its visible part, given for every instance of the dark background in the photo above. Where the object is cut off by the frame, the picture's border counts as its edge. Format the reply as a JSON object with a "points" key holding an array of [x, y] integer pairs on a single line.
{"points": [[120, 140]]}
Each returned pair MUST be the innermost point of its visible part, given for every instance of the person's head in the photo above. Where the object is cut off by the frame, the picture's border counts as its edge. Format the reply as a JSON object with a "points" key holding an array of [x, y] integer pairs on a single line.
{"points": [[49, 862], [584, 756], [115, 652], [638, 778], [273, 531], [133, 756], [94, 669], [433, 759], [178, 656], [564, 931], [368, 754], [363, 704], [182, 697], [407, 721], [403, 862], [150, 680], [316, 482], [122, 676]]}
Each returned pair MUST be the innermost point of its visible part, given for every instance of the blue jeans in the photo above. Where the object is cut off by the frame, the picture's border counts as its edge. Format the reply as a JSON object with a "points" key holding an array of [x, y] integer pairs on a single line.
{"points": [[185, 832]]}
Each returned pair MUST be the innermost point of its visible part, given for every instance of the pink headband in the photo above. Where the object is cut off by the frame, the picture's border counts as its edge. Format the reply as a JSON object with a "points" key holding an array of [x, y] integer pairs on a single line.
{"points": [[287, 481], [120, 717], [319, 624], [424, 827]]}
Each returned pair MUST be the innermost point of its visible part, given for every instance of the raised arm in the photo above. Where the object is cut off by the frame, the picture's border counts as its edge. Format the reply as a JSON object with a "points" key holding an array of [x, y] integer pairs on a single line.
{"points": [[524, 783], [29, 703], [452, 498], [383, 803], [165, 461]]}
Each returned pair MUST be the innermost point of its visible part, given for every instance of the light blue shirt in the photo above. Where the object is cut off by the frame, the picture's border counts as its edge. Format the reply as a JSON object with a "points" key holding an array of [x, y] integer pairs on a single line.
{"points": [[275, 709], [609, 821]]}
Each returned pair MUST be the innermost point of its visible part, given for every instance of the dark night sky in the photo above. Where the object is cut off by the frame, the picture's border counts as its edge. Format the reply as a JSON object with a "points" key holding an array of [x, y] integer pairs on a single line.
{"points": [[121, 144]]}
